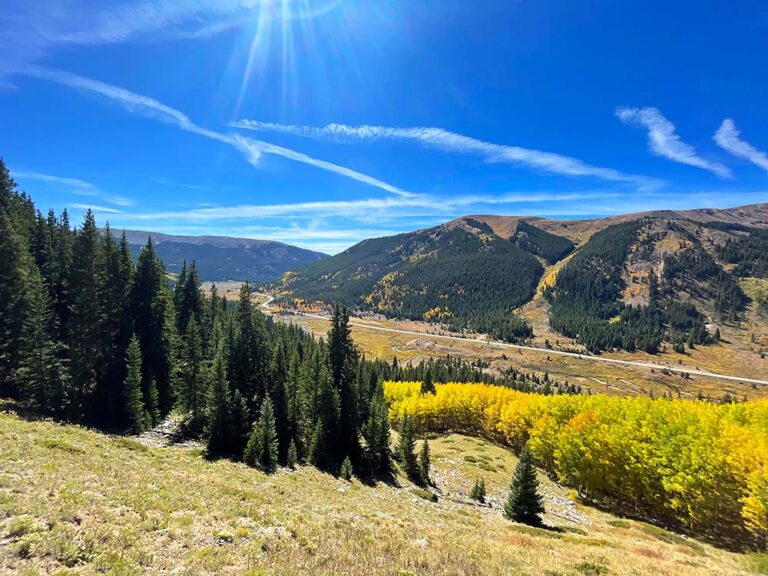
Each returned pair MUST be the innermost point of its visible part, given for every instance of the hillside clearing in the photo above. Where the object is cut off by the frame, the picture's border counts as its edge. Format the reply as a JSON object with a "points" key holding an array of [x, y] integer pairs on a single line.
{"points": [[73, 501]]}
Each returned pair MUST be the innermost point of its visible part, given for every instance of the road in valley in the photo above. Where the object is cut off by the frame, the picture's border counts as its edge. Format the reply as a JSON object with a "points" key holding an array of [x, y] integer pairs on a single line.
{"points": [[647, 365]]}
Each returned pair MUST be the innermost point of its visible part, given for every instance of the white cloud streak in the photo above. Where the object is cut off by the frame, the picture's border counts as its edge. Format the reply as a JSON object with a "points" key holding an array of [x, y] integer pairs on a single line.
{"points": [[251, 149], [663, 140], [364, 208], [77, 186], [81, 186], [454, 143], [97, 208], [728, 138]]}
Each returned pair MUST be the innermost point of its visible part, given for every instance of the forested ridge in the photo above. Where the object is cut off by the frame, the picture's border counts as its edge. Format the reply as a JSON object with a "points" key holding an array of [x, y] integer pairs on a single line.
{"points": [[586, 299], [549, 246], [464, 276], [698, 467], [748, 252]]}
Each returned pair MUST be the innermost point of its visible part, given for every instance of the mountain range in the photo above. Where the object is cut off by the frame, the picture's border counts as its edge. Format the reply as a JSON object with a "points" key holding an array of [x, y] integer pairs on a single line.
{"points": [[624, 282], [225, 258]]}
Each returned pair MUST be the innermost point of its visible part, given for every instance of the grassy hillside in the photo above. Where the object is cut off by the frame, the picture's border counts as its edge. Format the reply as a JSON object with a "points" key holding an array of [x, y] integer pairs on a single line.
{"points": [[73, 501]]}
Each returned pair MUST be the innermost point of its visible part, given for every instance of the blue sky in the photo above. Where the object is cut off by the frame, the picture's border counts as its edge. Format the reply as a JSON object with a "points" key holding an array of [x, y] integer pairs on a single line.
{"points": [[323, 122]]}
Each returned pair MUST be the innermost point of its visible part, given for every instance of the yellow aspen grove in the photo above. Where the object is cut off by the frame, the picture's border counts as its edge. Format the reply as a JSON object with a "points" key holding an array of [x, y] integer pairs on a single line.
{"points": [[692, 464]]}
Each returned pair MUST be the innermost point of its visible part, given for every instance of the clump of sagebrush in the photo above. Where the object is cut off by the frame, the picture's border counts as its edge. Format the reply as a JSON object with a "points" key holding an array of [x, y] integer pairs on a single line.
{"points": [[524, 503]]}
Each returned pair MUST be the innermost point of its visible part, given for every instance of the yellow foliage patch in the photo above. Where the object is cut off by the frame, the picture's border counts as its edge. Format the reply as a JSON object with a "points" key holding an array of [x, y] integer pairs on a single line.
{"points": [[702, 465]]}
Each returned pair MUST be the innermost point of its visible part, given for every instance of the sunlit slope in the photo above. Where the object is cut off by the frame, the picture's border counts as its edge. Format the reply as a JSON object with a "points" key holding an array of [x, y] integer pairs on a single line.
{"points": [[74, 501]]}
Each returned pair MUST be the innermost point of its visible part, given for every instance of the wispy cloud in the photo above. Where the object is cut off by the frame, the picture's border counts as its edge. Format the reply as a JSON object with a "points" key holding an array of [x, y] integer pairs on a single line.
{"points": [[80, 186], [664, 141], [251, 149], [368, 207], [97, 208], [728, 138], [454, 143], [165, 182], [76, 186]]}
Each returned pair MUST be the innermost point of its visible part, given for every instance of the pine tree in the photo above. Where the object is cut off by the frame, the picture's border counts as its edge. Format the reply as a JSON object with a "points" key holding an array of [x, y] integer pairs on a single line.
{"points": [[293, 402], [152, 402], [115, 329], [249, 354], [317, 445], [406, 448], [261, 450], [219, 410], [279, 378], [376, 433], [178, 294], [85, 326], [135, 413], [325, 430], [154, 323], [343, 358], [42, 374], [240, 424], [190, 302], [346, 469], [14, 271], [427, 386], [478, 491], [193, 381], [524, 503], [424, 463], [293, 455]]}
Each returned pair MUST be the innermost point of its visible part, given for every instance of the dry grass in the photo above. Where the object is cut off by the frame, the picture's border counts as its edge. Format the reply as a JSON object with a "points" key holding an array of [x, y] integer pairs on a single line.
{"points": [[73, 501]]}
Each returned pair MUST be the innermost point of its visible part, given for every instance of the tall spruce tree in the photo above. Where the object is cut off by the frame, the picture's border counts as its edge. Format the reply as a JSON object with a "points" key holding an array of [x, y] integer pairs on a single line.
{"points": [[178, 294], [219, 426], [524, 503], [343, 357], [406, 448], [278, 395], [43, 375], [116, 329], [324, 440], [193, 391], [85, 325], [135, 411], [191, 300], [261, 450], [14, 274], [155, 326], [249, 354], [424, 462], [376, 433]]}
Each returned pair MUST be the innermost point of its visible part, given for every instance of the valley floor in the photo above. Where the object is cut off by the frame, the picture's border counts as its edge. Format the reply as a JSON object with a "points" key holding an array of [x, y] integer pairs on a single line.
{"points": [[414, 341], [74, 501]]}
